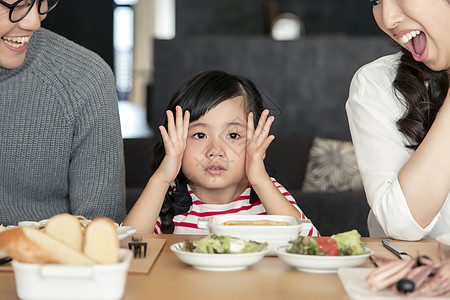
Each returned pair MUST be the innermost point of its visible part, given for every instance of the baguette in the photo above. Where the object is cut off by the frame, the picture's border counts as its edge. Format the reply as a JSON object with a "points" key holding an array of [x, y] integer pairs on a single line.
{"points": [[67, 229], [30, 245], [101, 242]]}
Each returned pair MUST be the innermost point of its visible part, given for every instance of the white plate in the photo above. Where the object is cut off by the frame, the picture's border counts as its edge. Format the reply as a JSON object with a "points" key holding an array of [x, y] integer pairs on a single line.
{"points": [[122, 231], [125, 231], [321, 264], [217, 262], [353, 280], [444, 239]]}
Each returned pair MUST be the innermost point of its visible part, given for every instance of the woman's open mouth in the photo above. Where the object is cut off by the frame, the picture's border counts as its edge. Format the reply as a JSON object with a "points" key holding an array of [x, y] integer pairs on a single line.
{"points": [[16, 42], [416, 42]]}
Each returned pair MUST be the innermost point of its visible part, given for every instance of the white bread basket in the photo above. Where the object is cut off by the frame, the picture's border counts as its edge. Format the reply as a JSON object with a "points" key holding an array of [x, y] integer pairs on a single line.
{"points": [[58, 281]]}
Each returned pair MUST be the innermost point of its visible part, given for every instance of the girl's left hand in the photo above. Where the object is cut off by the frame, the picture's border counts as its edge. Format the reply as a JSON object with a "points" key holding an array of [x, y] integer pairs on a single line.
{"points": [[258, 140]]}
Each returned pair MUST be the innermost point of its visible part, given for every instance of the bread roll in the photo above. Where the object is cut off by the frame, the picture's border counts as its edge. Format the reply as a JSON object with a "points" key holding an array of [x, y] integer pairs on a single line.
{"points": [[30, 245], [67, 229], [101, 242]]}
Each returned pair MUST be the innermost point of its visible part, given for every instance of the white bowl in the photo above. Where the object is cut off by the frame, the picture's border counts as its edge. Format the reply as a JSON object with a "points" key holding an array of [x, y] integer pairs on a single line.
{"points": [[54, 281], [217, 262], [275, 236], [321, 264]]}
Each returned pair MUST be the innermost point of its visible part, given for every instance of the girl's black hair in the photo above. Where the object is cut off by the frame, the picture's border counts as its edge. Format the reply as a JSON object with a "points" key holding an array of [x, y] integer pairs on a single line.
{"points": [[424, 91], [198, 95]]}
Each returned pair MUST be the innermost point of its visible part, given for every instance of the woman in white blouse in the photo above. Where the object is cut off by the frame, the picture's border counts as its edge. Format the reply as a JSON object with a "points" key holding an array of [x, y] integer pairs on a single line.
{"points": [[399, 116]]}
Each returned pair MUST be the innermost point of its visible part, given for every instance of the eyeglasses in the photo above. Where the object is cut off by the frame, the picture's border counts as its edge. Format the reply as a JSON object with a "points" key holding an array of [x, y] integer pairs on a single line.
{"points": [[20, 9]]}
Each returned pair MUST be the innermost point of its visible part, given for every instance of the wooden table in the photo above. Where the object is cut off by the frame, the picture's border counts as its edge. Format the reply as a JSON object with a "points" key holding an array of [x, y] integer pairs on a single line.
{"points": [[270, 278]]}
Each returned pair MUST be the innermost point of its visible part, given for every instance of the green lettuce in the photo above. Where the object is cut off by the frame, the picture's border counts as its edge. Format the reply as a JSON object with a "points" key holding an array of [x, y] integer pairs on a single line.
{"points": [[223, 244], [303, 245], [349, 243]]}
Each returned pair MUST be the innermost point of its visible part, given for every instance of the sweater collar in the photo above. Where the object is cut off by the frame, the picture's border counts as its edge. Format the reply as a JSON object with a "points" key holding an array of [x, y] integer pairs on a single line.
{"points": [[33, 51]]}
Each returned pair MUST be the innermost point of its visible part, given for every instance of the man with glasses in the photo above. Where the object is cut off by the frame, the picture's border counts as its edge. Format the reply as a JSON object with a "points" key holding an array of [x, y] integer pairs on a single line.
{"points": [[60, 142]]}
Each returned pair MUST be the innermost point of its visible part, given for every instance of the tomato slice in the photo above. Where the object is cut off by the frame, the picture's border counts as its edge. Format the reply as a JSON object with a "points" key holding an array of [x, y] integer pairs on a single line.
{"points": [[328, 245]]}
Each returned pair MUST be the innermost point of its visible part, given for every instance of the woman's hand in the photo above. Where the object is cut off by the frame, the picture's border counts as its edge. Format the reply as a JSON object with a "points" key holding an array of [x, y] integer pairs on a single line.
{"points": [[174, 138], [258, 140]]}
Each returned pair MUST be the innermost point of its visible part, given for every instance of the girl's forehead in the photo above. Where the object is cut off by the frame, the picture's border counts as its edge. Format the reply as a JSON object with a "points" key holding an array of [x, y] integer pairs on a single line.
{"points": [[231, 110]]}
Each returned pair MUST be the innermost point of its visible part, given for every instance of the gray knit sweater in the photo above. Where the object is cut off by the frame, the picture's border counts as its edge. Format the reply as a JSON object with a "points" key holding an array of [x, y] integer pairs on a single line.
{"points": [[60, 142]]}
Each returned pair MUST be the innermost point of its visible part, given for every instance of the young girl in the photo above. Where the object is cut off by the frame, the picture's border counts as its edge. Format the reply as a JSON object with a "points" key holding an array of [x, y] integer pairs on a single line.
{"points": [[211, 159], [399, 115]]}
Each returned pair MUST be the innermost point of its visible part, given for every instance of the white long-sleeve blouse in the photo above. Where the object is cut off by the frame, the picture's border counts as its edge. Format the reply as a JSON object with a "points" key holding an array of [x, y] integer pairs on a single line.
{"points": [[373, 109]]}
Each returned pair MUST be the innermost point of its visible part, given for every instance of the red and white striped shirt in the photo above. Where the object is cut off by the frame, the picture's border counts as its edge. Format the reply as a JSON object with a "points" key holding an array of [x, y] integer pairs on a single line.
{"points": [[186, 223]]}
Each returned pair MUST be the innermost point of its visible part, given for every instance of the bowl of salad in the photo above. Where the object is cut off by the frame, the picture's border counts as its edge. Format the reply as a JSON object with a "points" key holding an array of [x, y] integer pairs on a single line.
{"points": [[220, 253], [325, 254]]}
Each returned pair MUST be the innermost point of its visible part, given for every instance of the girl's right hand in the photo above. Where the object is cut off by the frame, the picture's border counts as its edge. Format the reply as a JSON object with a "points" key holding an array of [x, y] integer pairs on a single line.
{"points": [[174, 138]]}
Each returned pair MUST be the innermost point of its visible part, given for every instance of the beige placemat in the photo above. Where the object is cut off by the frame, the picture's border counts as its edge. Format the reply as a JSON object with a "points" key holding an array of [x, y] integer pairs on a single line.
{"points": [[143, 265], [137, 265]]}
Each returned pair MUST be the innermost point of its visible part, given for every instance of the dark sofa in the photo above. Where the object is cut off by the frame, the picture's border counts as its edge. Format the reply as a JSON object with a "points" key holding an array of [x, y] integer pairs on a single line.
{"points": [[304, 83]]}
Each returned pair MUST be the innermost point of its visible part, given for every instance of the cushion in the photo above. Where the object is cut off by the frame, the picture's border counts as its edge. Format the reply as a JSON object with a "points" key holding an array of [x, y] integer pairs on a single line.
{"points": [[331, 167]]}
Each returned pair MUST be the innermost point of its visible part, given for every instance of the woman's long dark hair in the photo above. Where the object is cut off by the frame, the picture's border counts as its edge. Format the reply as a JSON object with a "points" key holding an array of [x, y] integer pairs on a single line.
{"points": [[200, 94], [424, 91]]}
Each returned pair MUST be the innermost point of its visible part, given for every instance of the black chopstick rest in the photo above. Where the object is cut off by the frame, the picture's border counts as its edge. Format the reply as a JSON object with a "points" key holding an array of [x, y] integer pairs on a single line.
{"points": [[136, 244], [5, 259]]}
